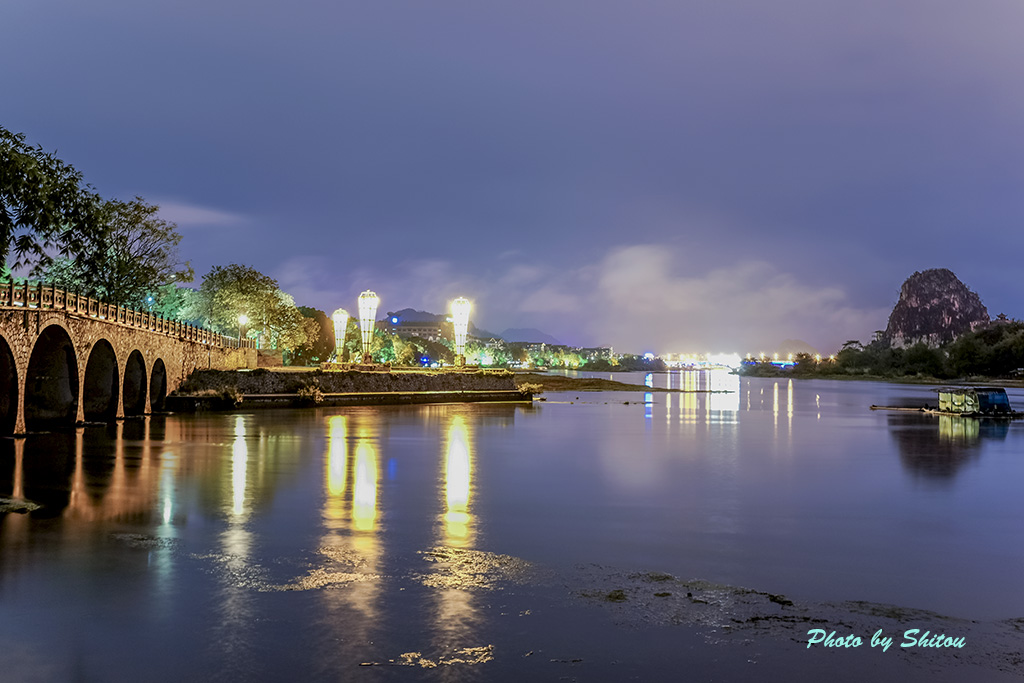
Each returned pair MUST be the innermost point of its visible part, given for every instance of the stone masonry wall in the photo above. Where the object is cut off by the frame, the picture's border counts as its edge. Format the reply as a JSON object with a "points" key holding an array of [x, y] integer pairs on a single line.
{"points": [[269, 382], [20, 329]]}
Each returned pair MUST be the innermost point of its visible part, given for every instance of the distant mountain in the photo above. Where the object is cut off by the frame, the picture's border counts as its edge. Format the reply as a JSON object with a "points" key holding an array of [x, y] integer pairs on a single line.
{"points": [[528, 334], [934, 307]]}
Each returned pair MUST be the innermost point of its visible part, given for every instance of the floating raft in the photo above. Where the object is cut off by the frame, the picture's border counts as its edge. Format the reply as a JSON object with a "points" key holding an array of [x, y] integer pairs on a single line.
{"points": [[928, 410], [966, 402]]}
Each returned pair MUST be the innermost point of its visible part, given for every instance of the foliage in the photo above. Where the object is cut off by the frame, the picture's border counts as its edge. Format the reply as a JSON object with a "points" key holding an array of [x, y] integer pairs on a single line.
{"points": [[319, 338], [135, 254], [177, 303], [434, 352], [44, 206], [627, 363], [228, 292], [530, 389], [996, 350], [310, 394]]}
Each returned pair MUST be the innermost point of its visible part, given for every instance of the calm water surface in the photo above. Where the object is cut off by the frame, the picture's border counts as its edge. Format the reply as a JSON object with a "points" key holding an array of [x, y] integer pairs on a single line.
{"points": [[463, 541]]}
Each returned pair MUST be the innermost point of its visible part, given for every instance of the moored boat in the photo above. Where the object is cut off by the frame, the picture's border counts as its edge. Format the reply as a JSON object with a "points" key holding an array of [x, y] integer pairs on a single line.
{"points": [[967, 402]]}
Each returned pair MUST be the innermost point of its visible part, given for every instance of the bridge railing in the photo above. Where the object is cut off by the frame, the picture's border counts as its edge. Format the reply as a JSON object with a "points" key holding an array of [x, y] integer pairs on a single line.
{"points": [[26, 295]]}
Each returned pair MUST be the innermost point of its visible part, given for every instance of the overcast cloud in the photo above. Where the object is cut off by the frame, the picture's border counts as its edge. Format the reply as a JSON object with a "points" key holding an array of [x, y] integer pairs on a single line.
{"points": [[650, 174]]}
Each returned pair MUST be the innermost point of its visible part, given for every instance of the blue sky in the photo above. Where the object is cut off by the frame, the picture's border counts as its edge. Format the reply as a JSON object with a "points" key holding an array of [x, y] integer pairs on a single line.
{"points": [[669, 176]]}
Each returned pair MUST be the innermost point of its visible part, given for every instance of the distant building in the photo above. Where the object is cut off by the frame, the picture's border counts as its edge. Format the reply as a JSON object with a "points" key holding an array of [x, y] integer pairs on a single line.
{"points": [[423, 329]]}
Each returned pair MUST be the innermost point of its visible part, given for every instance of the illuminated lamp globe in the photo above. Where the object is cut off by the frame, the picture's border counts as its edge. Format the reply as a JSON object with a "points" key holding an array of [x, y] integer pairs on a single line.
{"points": [[460, 319], [368, 302], [340, 318]]}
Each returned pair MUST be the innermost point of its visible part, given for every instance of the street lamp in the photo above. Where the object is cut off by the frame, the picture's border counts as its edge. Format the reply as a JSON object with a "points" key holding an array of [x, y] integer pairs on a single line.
{"points": [[340, 318], [243, 320], [460, 317], [367, 317]]}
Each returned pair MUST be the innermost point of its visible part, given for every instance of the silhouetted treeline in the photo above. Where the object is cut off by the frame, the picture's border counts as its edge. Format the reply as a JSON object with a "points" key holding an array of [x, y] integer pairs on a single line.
{"points": [[997, 351], [626, 363]]}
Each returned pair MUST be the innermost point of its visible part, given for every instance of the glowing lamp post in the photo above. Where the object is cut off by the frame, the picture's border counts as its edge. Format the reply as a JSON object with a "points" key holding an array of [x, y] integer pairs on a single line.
{"points": [[243, 320], [460, 318], [367, 317], [340, 318]]}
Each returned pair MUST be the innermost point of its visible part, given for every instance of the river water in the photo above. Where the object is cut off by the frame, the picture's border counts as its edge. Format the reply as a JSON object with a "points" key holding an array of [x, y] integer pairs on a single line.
{"points": [[589, 536]]}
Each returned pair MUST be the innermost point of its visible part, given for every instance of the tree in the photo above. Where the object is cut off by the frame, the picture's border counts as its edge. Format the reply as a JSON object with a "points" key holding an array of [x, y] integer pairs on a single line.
{"points": [[134, 255], [177, 303], [44, 206], [228, 292], [319, 332]]}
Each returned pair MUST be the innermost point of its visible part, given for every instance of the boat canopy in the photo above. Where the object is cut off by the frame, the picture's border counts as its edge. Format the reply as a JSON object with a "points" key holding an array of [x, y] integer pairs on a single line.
{"points": [[978, 400]]}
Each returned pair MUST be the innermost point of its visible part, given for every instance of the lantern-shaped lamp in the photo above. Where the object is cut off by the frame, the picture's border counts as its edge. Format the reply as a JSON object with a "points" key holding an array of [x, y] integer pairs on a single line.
{"points": [[460, 318], [367, 318], [340, 318]]}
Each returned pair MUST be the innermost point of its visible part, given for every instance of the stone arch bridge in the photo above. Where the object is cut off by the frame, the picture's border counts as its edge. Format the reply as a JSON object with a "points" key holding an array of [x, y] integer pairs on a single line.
{"points": [[66, 358]]}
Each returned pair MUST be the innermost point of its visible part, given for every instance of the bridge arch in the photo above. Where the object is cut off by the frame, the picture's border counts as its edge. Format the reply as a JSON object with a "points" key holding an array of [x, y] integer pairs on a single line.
{"points": [[134, 396], [101, 384], [51, 382], [158, 385], [8, 389]]}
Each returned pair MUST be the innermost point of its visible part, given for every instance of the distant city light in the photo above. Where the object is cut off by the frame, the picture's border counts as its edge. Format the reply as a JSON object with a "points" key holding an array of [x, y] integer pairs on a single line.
{"points": [[649, 356], [729, 360], [340, 318], [368, 302]]}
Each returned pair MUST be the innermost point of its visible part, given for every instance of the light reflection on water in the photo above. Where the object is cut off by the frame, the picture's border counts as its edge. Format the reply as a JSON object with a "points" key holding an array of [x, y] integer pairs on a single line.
{"points": [[351, 526], [458, 475]]}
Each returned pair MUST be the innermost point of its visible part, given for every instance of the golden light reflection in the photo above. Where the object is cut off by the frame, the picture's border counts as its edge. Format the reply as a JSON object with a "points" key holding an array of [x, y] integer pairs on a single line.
{"points": [[775, 403], [350, 548], [456, 614], [458, 472], [167, 496], [364, 485], [789, 405], [688, 401], [337, 456], [337, 467], [239, 462], [962, 430]]}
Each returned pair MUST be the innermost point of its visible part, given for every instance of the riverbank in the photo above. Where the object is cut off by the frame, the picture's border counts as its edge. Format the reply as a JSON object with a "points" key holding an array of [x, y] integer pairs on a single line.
{"points": [[295, 387], [227, 389]]}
